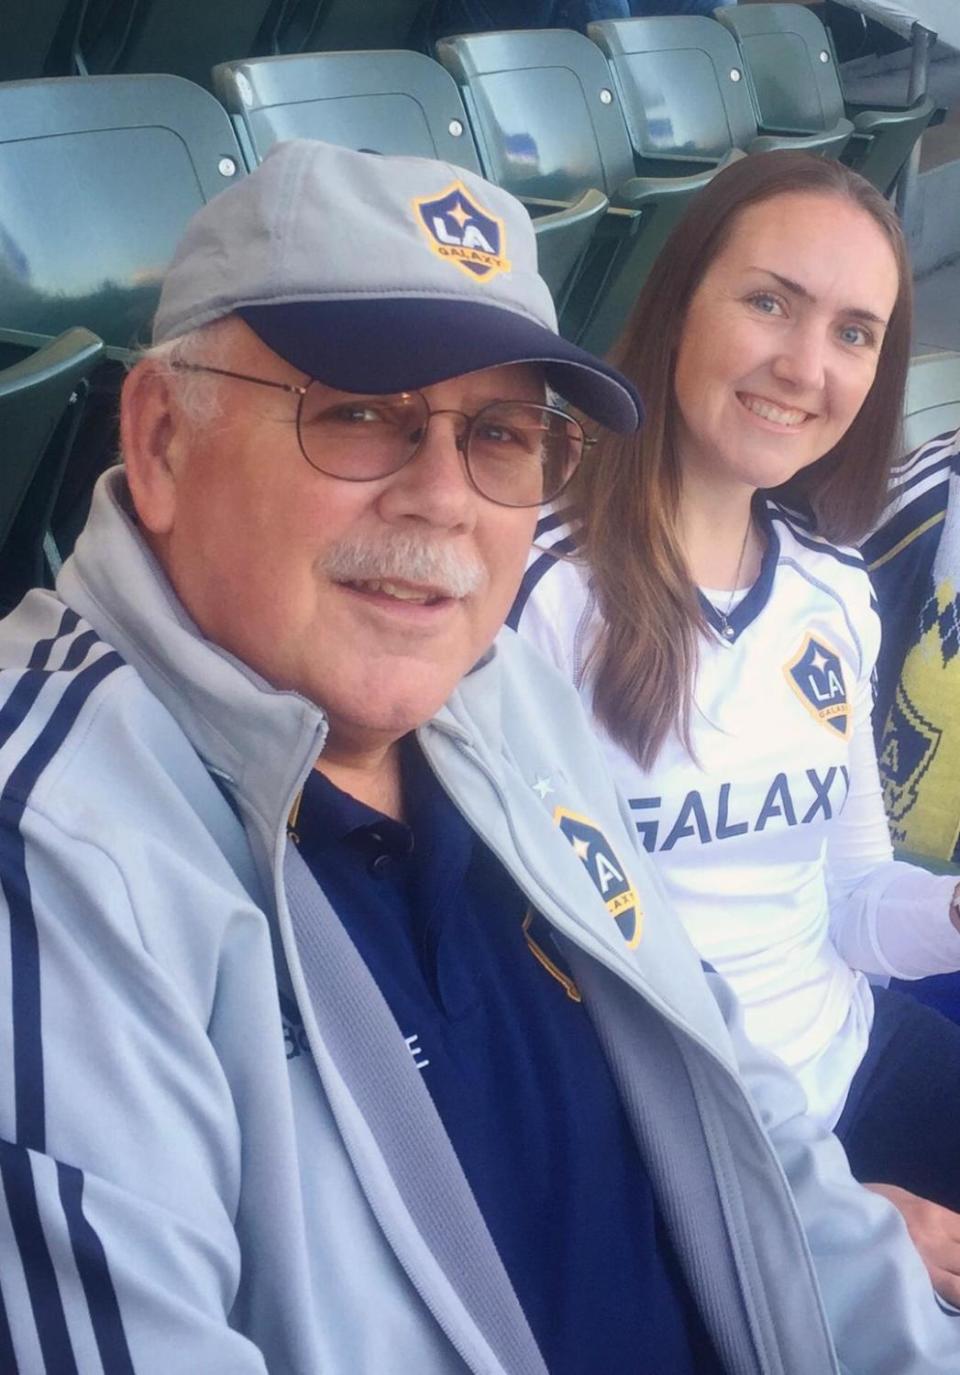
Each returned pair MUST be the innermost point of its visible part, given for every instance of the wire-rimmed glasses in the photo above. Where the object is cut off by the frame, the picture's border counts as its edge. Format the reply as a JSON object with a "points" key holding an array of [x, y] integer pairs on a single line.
{"points": [[516, 453]]}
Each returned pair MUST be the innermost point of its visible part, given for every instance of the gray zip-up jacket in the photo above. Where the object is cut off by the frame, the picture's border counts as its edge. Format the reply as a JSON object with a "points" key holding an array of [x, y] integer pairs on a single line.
{"points": [[218, 1155]]}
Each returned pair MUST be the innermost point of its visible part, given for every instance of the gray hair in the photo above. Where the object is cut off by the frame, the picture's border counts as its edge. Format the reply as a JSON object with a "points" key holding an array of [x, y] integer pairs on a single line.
{"points": [[198, 393]]}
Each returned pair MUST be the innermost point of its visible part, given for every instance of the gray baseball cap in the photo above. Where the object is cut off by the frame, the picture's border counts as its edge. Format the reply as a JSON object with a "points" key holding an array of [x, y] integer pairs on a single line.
{"points": [[380, 274]]}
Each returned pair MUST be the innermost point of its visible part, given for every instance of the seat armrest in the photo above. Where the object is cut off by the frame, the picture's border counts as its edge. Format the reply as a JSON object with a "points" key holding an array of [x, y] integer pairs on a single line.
{"points": [[639, 191], [833, 141], [564, 233], [591, 202], [872, 118]]}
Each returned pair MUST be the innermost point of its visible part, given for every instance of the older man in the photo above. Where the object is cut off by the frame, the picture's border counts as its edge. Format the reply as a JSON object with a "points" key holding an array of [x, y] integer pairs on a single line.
{"points": [[346, 1029]]}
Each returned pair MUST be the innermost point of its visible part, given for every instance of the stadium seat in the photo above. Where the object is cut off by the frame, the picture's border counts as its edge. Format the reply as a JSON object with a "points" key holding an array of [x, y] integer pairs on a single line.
{"points": [[179, 37], [792, 75], [548, 124], [37, 37], [680, 81], [99, 177], [933, 398], [387, 102], [337, 25], [41, 399]]}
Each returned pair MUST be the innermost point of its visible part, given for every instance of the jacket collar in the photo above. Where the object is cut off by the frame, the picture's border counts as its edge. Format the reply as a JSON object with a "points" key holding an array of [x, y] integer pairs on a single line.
{"points": [[259, 740]]}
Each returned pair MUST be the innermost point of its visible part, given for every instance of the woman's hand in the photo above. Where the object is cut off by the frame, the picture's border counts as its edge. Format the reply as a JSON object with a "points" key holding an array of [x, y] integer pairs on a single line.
{"points": [[935, 1232]]}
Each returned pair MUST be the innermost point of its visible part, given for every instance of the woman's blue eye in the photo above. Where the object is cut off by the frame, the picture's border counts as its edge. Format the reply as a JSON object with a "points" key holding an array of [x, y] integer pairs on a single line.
{"points": [[856, 334], [768, 305]]}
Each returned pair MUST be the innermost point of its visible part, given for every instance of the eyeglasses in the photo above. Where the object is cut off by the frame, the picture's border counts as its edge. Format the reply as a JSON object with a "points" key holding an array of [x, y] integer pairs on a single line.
{"points": [[516, 453]]}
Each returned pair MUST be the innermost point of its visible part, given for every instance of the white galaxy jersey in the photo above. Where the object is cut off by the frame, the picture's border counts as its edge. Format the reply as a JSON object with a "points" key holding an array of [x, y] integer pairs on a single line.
{"points": [[772, 842]]}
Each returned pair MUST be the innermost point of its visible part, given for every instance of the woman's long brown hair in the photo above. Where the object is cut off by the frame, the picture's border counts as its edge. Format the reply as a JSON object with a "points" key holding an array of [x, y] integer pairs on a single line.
{"points": [[626, 495]]}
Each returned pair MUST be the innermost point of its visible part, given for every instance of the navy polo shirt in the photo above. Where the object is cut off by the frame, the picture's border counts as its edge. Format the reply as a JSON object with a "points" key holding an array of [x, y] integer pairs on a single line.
{"points": [[516, 1072]]}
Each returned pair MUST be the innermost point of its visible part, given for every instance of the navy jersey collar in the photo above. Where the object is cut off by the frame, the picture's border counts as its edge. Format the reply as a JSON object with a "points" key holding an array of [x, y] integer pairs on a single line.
{"points": [[749, 607]]}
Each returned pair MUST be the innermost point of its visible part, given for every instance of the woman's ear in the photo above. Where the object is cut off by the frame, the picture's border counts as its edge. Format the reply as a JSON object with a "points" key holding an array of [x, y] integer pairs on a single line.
{"points": [[151, 435]]}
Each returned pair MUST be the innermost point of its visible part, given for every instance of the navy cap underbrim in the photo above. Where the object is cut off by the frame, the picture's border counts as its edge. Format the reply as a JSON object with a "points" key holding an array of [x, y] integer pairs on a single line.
{"points": [[403, 344]]}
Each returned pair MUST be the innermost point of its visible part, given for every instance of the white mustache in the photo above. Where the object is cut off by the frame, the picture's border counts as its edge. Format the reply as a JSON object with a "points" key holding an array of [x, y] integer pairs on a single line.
{"points": [[405, 557]]}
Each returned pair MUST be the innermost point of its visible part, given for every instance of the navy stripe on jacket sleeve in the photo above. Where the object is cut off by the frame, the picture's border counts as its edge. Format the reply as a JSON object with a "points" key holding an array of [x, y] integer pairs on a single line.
{"points": [[41, 650], [94, 1276], [8, 1357], [20, 1188], [45, 1301]]}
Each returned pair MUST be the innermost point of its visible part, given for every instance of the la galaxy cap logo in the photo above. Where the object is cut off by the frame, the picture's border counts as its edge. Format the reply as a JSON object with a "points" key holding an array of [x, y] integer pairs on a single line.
{"points": [[609, 876], [816, 676], [462, 232]]}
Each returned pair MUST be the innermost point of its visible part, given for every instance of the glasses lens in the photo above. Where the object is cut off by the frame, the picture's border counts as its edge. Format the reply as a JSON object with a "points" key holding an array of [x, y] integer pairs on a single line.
{"points": [[521, 454], [360, 437]]}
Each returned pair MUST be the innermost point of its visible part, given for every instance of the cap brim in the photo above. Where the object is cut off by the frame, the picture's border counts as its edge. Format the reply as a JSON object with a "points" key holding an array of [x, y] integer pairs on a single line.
{"points": [[403, 344]]}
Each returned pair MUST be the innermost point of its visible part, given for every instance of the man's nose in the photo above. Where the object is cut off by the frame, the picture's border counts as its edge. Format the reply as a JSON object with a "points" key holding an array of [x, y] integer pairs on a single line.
{"points": [[435, 485]]}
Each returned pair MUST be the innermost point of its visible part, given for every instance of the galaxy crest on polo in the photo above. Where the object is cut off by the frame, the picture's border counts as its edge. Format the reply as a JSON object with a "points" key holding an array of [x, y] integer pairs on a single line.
{"points": [[816, 675], [462, 231]]}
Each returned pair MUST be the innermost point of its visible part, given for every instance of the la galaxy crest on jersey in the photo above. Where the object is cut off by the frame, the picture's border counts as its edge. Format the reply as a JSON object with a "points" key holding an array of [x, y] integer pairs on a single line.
{"points": [[459, 229], [609, 876], [816, 676]]}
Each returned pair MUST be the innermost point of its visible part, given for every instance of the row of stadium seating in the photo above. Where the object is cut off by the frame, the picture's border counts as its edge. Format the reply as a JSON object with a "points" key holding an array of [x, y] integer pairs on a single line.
{"points": [[649, 109], [184, 38], [605, 138]]}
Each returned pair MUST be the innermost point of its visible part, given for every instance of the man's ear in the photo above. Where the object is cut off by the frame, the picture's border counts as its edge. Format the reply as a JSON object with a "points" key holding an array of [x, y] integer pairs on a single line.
{"points": [[151, 435]]}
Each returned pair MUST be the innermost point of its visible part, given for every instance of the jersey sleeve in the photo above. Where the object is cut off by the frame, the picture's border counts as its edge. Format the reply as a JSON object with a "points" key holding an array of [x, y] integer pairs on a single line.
{"points": [[119, 1146], [886, 917]]}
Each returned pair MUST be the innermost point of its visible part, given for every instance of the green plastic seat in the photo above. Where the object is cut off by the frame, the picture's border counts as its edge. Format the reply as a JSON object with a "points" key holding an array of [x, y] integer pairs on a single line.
{"points": [[933, 397], [37, 37], [793, 79], [385, 102], [548, 123], [341, 25], [41, 399], [179, 37], [681, 83], [99, 176]]}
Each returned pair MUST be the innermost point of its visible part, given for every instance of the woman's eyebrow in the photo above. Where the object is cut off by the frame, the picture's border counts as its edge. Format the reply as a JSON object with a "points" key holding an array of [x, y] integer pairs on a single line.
{"points": [[797, 289]]}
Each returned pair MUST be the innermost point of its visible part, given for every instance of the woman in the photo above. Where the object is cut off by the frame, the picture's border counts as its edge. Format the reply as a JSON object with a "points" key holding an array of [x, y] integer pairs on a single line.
{"points": [[695, 585]]}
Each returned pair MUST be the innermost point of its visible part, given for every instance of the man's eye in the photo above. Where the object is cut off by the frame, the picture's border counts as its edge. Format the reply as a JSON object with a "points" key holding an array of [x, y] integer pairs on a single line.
{"points": [[502, 438], [355, 415], [498, 434]]}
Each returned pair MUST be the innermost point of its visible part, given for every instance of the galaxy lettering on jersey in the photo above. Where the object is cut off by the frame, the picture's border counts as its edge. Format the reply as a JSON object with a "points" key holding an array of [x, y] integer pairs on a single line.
{"points": [[816, 676], [704, 819], [609, 876], [461, 231]]}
